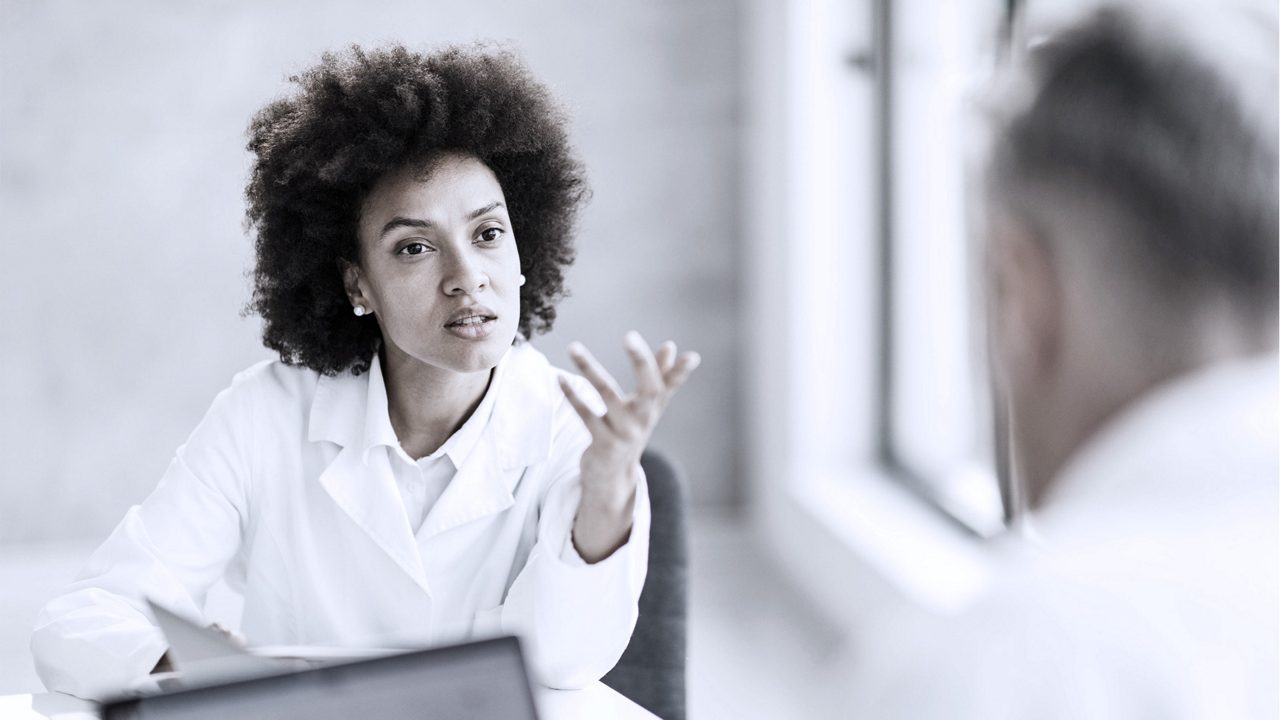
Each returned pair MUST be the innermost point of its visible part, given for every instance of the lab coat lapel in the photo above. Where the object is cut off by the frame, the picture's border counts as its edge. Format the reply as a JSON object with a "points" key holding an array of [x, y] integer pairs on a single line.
{"points": [[518, 435], [365, 490], [350, 410], [481, 487]]}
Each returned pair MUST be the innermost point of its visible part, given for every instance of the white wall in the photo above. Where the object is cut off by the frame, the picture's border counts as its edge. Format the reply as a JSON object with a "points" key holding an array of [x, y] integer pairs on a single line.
{"points": [[121, 178]]}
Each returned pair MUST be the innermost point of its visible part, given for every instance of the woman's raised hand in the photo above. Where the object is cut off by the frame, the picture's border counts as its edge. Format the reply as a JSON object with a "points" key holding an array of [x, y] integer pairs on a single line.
{"points": [[619, 436]]}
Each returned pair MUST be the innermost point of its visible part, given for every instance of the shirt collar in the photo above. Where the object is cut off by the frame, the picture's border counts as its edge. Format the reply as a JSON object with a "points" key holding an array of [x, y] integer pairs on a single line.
{"points": [[1173, 445], [460, 444], [517, 410], [377, 418]]}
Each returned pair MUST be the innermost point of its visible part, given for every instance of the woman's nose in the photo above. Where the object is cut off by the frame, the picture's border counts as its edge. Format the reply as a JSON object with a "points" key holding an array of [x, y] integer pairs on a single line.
{"points": [[464, 277]]}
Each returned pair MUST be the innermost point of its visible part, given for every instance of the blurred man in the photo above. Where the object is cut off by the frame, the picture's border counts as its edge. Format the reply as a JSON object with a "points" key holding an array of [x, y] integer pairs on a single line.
{"points": [[1132, 268]]}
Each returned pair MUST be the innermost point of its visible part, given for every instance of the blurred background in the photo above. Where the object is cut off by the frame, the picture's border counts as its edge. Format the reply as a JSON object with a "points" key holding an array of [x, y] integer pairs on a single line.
{"points": [[780, 186]]}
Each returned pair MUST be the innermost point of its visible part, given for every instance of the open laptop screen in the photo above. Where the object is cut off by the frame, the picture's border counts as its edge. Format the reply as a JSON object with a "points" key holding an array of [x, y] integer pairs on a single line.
{"points": [[485, 679]]}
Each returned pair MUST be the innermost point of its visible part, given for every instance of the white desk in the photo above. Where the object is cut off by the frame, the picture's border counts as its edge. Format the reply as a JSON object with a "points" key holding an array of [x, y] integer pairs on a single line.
{"points": [[594, 702]]}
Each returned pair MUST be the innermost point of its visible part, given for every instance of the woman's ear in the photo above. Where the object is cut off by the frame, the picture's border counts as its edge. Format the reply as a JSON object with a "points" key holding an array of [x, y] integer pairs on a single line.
{"points": [[352, 284]]}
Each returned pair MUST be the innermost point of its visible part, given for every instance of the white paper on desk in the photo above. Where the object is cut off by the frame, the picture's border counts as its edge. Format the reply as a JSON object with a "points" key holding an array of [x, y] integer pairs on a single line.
{"points": [[319, 654], [204, 656]]}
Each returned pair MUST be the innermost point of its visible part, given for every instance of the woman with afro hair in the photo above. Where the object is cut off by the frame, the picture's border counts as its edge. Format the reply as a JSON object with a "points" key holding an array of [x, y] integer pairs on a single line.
{"points": [[410, 471]]}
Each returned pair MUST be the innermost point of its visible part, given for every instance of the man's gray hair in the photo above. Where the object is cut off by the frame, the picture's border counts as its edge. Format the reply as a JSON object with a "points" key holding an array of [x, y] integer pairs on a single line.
{"points": [[1140, 129]]}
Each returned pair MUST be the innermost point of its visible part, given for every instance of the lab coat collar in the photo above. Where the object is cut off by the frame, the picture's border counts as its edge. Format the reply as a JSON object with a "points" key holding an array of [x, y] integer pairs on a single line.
{"points": [[518, 435], [523, 408], [350, 409], [337, 397], [377, 429]]}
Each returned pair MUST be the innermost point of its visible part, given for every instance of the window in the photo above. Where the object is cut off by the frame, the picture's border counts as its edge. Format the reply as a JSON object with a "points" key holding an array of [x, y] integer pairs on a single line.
{"points": [[936, 423], [869, 435]]}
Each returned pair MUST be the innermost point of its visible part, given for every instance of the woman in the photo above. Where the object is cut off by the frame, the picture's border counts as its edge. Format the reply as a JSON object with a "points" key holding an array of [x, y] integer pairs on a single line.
{"points": [[410, 470]]}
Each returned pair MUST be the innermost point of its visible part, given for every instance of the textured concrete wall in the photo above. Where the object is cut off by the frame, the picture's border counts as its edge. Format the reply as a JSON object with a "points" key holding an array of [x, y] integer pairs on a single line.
{"points": [[121, 173]]}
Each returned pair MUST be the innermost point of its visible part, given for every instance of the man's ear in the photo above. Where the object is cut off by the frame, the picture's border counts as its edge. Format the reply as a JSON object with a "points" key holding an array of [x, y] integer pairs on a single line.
{"points": [[1027, 303]]}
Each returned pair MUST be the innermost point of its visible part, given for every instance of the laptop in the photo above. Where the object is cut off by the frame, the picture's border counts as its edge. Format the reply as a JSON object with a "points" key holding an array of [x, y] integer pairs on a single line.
{"points": [[470, 681]]}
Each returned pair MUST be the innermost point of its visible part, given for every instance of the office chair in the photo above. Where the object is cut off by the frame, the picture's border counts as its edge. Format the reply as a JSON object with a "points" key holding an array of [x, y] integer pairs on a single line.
{"points": [[652, 670]]}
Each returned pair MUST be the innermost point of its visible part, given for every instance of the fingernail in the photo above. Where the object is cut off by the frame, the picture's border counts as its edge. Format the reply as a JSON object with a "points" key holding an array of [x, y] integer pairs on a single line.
{"points": [[576, 348], [694, 360], [633, 340]]}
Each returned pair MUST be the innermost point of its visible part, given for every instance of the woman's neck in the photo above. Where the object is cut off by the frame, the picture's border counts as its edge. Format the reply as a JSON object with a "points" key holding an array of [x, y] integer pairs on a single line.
{"points": [[428, 404]]}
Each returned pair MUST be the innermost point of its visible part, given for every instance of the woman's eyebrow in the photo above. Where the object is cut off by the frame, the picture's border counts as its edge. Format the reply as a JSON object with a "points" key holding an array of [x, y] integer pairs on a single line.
{"points": [[396, 222], [487, 208]]}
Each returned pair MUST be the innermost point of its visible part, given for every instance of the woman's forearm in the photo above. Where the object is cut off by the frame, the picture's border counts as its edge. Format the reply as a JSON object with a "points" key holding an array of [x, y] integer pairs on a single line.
{"points": [[603, 521]]}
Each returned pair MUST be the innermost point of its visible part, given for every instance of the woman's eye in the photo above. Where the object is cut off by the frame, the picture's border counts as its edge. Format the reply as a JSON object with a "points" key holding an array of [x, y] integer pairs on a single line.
{"points": [[491, 235], [414, 248]]}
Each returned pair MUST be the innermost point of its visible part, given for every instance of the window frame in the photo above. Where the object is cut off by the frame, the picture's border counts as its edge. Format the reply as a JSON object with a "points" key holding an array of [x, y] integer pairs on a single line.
{"points": [[827, 503], [970, 486]]}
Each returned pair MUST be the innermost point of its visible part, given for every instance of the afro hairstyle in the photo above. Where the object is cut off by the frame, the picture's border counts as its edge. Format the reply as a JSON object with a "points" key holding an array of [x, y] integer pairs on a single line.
{"points": [[356, 117]]}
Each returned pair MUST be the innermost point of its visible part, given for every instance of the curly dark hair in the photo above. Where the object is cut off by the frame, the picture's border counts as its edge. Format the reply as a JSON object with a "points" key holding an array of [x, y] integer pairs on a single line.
{"points": [[359, 115]]}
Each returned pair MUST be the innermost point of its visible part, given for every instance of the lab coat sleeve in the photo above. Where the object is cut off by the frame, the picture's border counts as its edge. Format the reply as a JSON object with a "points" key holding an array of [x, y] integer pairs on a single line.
{"points": [[575, 618], [97, 637]]}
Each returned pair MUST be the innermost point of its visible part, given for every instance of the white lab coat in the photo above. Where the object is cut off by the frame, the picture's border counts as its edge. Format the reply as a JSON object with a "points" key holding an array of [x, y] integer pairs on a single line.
{"points": [[285, 488], [1149, 589]]}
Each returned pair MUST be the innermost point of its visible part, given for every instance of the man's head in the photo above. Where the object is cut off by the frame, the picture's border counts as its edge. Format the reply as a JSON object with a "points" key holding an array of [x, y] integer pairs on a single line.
{"points": [[1133, 228]]}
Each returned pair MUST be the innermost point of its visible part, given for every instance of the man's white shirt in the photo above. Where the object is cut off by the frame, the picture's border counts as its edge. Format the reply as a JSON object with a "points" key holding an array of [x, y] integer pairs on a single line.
{"points": [[1149, 591]]}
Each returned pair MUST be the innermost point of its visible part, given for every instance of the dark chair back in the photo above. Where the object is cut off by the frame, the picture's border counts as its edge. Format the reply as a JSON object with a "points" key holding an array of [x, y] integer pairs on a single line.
{"points": [[652, 670]]}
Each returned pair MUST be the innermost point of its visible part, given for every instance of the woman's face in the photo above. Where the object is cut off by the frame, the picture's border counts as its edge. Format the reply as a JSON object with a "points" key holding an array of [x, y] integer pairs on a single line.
{"points": [[439, 266]]}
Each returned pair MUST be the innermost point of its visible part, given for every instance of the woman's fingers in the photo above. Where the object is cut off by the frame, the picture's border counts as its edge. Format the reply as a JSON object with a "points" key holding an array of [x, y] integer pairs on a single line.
{"points": [[680, 370], [658, 376], [599, 378], [665, 356], [589, 418], [648, 378]]}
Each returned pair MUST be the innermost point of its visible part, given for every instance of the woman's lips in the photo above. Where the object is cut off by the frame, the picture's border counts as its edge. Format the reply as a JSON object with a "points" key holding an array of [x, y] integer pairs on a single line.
{"points": [[472, 326]]}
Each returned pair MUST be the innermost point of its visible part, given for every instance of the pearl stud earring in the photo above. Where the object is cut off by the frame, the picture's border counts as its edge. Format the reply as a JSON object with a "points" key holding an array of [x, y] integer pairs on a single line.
{"points": [[359, 310], [522, 280]]}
